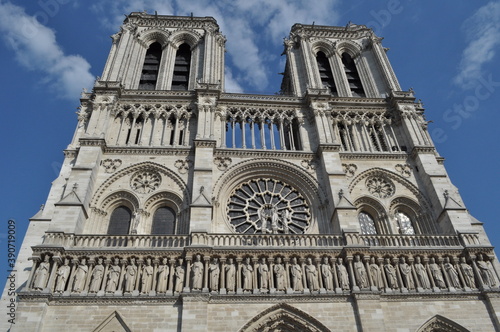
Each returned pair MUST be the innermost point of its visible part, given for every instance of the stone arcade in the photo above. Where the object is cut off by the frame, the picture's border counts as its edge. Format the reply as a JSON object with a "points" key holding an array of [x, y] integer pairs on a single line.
{"points": [[182, 207]]}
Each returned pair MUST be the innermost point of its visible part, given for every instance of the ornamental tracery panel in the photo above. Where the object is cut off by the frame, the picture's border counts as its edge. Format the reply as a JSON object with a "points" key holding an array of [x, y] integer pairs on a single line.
{"points": [[268, 206]]}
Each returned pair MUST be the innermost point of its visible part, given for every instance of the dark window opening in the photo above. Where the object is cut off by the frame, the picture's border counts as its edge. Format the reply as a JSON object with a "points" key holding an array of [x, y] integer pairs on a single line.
{"points": [[151, 67], [180, 80], [119, 223], [163, 221], [325, 72], [352, 76]]}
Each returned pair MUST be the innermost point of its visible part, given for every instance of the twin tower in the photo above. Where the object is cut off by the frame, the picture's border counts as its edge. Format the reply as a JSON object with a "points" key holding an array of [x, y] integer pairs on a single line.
{"points": [[180, 206]]}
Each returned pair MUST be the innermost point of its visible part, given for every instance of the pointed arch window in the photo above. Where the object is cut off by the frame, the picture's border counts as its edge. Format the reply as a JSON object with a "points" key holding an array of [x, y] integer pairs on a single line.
{"points": [[325, 72], [352, 74], [182, 66], [151, 67], [366, 223], [119, 223], [164, 221], [404, 222]]}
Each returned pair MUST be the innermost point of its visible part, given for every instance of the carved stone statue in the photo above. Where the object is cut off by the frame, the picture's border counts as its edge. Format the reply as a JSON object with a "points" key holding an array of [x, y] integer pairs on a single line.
{"points": [[263, 274], [390, 272], [162, 281], [42, 274], [230, 275], [376, 274], [280, 275], [452, 273], [130, 276], [214, 275], [468, 273], [421, 273], [436, 273], [296, 272], [406, 276], [147, 277], [113, 277], [311, 275], [247, 273], [97, 276], [179, 276], [326, 274], [486, 271], [197, 270], [80, 276], [360, 272], [62, 277], [343, 275]]}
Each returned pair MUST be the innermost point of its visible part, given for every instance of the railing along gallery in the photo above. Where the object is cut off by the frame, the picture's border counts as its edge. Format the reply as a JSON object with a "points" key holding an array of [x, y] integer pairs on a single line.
{"points": [[258, 240]]}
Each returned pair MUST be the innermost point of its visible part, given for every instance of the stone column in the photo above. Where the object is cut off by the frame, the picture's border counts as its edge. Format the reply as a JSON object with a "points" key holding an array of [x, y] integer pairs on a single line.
{"points": [[239, 290], [222, 287], [52, 279], [105, 275], [187, 287], [355, 286], [206, 260], [170, 287]]}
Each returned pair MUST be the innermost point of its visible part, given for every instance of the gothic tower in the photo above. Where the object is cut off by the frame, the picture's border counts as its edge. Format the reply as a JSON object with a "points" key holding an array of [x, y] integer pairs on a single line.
{"points": [[182, 207]]}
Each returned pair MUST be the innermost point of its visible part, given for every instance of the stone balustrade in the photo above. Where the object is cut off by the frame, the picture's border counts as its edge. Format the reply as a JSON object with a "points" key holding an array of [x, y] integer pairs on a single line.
{"points": [[260, 240]]}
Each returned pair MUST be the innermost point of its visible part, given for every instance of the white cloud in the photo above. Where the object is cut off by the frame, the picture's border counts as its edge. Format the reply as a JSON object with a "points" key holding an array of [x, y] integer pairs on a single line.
{"points": [[254, 28], [36, 48], [483, 35]]}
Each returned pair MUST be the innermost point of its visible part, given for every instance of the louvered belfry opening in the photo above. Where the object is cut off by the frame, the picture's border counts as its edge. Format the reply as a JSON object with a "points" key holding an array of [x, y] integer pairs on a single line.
{"points": [[325, 72], [151, 66], [352, 76], [180, 80]]}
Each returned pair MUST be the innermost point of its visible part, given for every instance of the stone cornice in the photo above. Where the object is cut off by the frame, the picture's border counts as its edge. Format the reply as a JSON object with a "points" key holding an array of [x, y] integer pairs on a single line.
{"points": [[248, 153], [373, 156], [93, 141], [144, 19], [171, 151], [202, 143]]}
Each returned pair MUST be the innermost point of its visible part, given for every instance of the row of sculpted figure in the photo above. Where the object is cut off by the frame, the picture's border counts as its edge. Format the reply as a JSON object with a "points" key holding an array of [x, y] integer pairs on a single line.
{"points": [[259, 275]]}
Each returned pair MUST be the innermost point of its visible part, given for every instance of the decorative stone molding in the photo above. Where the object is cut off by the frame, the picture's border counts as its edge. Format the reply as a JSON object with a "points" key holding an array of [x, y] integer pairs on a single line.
{"points": [[380, 187], [183, 165], [110, 165], [222, 163], [309, 164], [349, 169], [145, 182], [403, 169]]}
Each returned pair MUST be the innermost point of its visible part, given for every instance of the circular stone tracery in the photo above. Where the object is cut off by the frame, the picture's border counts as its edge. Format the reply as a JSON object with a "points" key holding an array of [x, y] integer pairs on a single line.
{"points": [[267, 206], [380, 187], [145, 182]]}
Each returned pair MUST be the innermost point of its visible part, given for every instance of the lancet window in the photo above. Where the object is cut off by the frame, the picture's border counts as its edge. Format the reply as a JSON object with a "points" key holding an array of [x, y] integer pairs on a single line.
{"points": [[151, 125], [182, 65], [404, 223], [366, 223], [325, 72], [256, 129], [353, 79], [119, 222], [164, 221], [150, 69], [365, 132]]}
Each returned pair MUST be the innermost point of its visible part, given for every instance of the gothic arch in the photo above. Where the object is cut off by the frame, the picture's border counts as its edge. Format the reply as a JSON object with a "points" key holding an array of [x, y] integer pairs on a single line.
{"points": [[165, 172], [377, 171], [287, 172], [376, 210], [179, 37], [147, 37], [324, 46], [352, 48], [283, 317], [440, 323]]}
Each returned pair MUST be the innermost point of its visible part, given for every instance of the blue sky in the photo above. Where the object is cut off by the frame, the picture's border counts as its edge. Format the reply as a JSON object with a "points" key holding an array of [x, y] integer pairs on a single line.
{"points": [[447, 51]]}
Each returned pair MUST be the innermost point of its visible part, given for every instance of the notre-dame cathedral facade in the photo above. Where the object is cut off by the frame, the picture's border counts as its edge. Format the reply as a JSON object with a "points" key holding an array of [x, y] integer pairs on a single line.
{"points": [[323, 208]]}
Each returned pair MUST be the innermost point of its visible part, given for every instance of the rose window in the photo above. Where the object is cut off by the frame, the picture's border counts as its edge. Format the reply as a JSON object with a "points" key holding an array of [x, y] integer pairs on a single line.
{"points": [[380, 187], [267, 206], [145, 182]]}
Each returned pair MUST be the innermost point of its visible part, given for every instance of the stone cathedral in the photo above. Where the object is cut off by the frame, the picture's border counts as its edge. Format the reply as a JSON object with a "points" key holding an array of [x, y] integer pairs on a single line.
{"points": [[181, 207]]}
